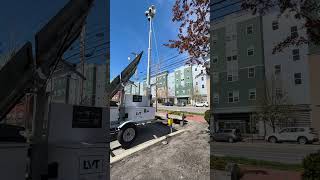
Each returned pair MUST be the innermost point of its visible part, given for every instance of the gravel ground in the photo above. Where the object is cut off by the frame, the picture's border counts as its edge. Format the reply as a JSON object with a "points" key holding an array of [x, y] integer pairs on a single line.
{"points": [[185, 156]]}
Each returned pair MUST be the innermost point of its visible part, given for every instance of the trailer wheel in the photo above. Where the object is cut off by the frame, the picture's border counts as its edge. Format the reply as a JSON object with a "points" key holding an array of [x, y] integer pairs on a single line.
{"points": [[127, 135]]}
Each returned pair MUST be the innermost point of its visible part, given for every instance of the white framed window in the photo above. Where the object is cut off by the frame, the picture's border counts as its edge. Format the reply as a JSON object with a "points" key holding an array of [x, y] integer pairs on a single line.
{"points": [[230, 97], [235, 57], [195, 69], [294, 31], [229, 77], [249, 29], [297, 78], [277, 69], [202, 86], [251, 72], [216, 98], [295, 54], [250, 51], [196, 83], [275, 25], [236, 96], [252, 94], [202, 78], [233, 96]]}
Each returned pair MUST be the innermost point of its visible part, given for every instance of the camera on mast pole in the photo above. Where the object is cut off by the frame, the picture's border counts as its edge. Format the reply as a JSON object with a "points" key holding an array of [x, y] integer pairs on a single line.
{"points": [[150, 12]]}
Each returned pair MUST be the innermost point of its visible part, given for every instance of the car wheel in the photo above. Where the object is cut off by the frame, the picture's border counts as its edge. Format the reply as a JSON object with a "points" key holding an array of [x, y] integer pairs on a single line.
{"points": [[127, 135], [230, 140], [302, 140], [272, 139]]}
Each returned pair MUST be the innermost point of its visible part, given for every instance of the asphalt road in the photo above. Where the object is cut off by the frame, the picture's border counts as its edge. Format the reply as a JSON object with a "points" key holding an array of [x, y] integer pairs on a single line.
{"points": [[284, 152], [184, 108]]}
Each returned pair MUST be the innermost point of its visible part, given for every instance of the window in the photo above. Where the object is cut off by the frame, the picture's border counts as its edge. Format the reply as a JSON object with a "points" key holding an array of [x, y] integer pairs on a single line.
{"points": [[196, 83], [250, 51], [229, 58], [136, 98], [252, 94], [202, 86], [277, 69], [233, 96], [249, 29], [294, 31], [296, 54], [251, 72], [275, 25], [235, 57], [202, 78], [297, 78], [196, 69], [214, 60], [230, 97], [229, 77], [236, 96], [279, 93], [201, 71], [216, 98]]}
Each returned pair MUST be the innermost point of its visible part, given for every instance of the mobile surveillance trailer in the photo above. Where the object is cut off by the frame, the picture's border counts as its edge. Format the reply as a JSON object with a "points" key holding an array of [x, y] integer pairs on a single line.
{"points": [[133, 110]]}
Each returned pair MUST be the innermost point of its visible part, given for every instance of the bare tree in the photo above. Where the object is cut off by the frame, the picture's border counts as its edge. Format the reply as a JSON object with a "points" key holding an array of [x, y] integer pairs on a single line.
{"points": [[194, 23], [275, 106]]}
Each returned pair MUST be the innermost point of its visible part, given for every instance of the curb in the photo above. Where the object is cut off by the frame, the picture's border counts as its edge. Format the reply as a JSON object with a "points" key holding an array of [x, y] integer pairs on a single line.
{"points": [[142, 146]]}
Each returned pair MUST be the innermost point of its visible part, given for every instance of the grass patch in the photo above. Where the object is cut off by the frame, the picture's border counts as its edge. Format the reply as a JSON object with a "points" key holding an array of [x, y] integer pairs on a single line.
{"points": [[179, 113], [218, 162]]}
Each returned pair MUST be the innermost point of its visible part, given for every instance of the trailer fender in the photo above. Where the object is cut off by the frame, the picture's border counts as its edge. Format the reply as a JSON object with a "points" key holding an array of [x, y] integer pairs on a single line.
{"points": [[126, 123]]}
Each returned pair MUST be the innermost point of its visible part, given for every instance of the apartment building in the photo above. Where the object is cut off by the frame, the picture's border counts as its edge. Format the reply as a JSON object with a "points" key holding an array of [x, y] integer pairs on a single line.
{"points": [[65, 86], [171, 87], [184, 84], [292, 72], [238, 77], [200, 83]]}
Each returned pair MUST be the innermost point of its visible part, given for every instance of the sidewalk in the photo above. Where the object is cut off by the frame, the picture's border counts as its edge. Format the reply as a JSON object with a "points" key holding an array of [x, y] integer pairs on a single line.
{"points": [[271, 174], [189, 117]]}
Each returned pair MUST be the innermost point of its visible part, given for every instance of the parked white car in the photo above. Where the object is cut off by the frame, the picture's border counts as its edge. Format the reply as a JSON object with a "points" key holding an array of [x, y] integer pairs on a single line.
{"points": [[302, 135], [202, 104]]}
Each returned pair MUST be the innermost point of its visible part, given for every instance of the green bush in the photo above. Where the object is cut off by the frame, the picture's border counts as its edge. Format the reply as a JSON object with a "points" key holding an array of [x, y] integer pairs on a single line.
{"points": [[217, 163], [311, 166], [207, 115]]}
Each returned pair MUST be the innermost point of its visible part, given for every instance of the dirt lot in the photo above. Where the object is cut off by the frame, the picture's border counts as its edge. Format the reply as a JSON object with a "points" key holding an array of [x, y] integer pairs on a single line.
{"points": [[185, 156]]}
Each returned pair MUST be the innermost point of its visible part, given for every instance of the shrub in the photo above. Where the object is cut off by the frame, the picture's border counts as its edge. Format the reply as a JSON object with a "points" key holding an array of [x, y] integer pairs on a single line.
{"points": [[207, 115], [311, 166], [217, 163]]}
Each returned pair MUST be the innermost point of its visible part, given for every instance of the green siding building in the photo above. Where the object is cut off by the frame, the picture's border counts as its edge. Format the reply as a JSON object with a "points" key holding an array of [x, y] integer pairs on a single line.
{"points": [[238, 83], [183, 84]]}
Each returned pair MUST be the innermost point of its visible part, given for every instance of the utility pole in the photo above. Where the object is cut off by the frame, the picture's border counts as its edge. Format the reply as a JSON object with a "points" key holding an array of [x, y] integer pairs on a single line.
{"points": [[150, 13], [82, 56]]}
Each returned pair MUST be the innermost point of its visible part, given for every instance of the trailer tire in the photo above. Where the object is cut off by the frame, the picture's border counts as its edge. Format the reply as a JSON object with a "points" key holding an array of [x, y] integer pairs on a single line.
{"points": [[127, 135]]}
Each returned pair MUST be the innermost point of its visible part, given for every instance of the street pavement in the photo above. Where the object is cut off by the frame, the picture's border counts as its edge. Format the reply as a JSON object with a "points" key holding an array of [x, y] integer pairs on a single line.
{"points": [[191, 109], [283, 152]]}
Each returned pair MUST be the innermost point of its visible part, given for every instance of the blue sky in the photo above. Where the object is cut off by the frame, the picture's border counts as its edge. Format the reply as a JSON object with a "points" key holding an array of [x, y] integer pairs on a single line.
{"points": [[21, 20], [129, 32]]}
